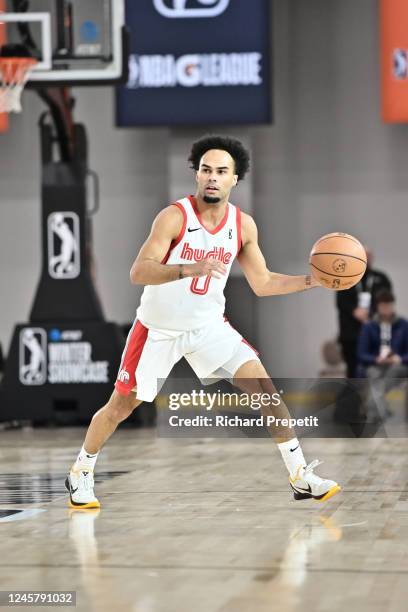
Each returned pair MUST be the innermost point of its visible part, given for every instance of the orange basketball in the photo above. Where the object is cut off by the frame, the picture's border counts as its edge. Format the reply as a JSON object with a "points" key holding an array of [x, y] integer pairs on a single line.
{"points": [[338, 261]]}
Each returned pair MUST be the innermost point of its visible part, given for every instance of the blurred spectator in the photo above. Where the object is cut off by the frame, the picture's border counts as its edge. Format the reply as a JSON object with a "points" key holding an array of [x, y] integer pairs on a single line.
{"points": [[355, 306], [333, 364], [383, 350]]}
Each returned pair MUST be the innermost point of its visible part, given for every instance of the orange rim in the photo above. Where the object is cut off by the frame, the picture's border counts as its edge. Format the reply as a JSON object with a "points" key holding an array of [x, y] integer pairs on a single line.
{"points": [[14, 69]]}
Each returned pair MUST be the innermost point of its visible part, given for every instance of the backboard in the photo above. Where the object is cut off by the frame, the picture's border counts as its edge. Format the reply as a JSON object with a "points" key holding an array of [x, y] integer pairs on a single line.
{"points": [[76, 42]]}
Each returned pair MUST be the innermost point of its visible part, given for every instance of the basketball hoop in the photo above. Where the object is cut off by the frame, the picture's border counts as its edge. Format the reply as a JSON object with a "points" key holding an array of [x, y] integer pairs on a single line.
{"points": [[14, 72]]}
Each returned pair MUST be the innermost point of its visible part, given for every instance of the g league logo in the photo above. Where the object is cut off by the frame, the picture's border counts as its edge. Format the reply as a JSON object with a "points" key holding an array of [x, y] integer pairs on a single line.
{"points": [[63, 245], [32, 356], [179, 9], [400, 64]]}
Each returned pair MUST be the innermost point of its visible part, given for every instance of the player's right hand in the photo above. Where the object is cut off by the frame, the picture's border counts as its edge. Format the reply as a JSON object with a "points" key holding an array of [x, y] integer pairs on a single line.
{"points": [[207, 267]]}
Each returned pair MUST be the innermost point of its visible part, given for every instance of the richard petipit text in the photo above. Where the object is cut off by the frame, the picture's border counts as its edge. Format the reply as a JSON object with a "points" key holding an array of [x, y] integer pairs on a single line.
{"points": [[238, 421]]}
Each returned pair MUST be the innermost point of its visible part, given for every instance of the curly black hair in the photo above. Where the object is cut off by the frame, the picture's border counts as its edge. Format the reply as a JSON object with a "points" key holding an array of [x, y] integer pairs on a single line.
{"points": [[234, 147]]}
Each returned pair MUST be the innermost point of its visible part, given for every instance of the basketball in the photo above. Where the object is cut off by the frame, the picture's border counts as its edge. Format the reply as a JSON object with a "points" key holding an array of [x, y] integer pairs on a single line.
{"points": [[338, 261]]}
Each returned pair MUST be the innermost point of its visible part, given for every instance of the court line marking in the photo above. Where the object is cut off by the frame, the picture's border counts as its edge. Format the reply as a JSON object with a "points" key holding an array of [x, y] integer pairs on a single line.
{"points": [[249, 491], [227, 568], [351, 524], [21, 516]]}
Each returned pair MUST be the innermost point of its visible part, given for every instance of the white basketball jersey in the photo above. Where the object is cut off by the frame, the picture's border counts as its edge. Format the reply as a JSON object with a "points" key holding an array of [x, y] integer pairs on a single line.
{"points": [[190, 303]]}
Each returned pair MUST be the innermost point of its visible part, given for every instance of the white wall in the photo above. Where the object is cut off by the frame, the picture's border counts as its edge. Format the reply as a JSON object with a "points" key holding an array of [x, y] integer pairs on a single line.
{"points": [[327, 164]]}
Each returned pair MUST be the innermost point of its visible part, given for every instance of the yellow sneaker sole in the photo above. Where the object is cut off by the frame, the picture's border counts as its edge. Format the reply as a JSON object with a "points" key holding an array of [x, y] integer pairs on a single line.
{"points": [[330, 493], [89, 506]]}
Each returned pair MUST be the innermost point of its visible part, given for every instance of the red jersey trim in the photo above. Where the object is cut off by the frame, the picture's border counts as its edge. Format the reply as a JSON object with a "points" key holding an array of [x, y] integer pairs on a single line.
{"points": [[181, 234], [165, 258], [239, 232], [183, 228], [219, 226]]}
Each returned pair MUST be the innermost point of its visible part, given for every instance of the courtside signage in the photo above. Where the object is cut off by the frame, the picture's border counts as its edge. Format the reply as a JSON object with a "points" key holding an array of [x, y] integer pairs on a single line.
{"points": [[206, 70], [394, 60], [63, 245], [178, 9], [33, 356], [59, 357], [196, 62]]}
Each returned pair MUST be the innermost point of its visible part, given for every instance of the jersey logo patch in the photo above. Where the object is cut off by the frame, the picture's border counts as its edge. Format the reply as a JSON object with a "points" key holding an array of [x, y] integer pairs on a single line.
{"points": [[124, 376], [219, 253]]}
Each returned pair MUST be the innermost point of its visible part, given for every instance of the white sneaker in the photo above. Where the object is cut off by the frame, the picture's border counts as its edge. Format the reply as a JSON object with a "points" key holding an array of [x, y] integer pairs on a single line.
{"points": [[80, 484], [307, 485]]}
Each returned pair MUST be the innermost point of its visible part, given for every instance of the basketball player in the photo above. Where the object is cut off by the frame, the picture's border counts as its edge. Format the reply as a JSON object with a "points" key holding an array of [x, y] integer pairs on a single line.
{"points": [[184, 265]]}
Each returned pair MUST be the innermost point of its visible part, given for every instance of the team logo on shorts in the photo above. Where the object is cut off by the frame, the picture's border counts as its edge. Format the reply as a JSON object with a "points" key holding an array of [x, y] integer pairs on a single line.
{"points": [[63, 245], [339, 265], [32, 357], [190, 8], [124, 377]]}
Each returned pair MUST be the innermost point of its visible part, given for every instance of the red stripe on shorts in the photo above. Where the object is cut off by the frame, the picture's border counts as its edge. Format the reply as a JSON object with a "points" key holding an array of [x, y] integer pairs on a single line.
{"points": [[126, 379]]}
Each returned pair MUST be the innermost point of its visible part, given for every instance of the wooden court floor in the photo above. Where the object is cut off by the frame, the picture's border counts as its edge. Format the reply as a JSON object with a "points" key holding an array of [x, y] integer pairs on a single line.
{"points": [[205, 525]]}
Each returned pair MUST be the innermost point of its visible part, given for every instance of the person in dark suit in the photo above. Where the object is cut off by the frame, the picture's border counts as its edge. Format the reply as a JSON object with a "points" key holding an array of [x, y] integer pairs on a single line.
{"points": [[383, 351], [355, 306]]}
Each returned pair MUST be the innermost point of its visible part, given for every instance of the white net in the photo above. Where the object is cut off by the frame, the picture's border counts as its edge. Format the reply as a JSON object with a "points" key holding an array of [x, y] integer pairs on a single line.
{"points": [[14, 73]]}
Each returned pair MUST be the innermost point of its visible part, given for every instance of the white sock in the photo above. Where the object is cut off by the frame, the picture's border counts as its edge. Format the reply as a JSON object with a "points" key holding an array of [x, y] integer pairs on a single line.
{"points": [[85, 460], [292, 455]]}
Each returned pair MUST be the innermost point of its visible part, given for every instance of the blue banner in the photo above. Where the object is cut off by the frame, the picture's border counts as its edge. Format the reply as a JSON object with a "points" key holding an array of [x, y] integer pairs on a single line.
{"points": [[197, 62]]}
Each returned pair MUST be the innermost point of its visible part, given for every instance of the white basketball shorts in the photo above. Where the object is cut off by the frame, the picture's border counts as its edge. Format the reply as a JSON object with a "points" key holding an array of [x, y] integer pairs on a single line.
{"points": [[215, 351]]}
